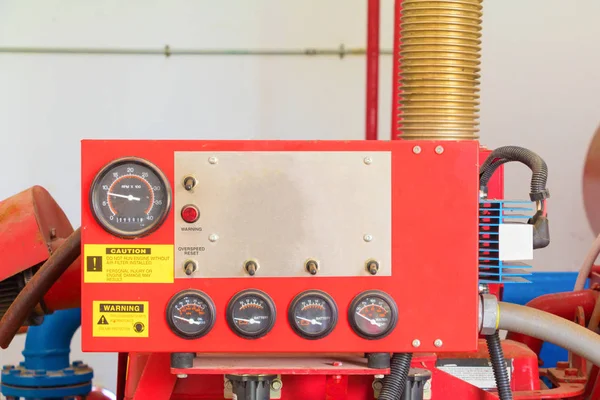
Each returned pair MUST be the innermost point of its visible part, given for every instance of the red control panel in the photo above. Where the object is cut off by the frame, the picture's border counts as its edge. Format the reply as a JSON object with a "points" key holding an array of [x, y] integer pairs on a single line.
{"points": [[279, 246]]}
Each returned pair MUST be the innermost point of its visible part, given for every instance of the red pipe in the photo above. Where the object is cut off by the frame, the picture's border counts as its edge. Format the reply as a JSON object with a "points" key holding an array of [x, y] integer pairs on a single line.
{"points": [[372, 94], [562, 305], [396, 71]]}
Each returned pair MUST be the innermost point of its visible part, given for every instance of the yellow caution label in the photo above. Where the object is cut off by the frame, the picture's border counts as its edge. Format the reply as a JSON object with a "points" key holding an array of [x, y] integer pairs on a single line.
{"points": [[120, 319], [152, 263]]}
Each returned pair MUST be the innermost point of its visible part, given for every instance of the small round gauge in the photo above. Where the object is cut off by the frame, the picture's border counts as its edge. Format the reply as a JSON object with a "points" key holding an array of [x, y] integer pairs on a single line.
{"points": [[130, 197], [313, 314], [373, 314], [251, 314], [191, 314]]}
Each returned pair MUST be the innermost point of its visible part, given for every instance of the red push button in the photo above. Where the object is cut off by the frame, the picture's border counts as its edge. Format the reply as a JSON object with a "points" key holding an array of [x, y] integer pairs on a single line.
{"points": [[190, 213]]}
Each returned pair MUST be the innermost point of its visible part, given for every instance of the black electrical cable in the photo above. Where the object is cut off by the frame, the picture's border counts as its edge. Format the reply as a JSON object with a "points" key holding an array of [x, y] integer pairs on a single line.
{"points": [[395, 382], [538, 167], [499, 366]]}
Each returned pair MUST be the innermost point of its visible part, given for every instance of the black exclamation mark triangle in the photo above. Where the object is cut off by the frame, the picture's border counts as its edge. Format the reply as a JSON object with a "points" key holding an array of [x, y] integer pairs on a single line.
{"points": [[103, 321]]}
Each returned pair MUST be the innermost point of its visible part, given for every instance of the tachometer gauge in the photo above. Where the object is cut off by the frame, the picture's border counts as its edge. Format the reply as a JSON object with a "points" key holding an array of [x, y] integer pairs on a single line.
{"points": [[191, 314], [130, 197], [373, 314], [251, 314], [313, 314]]}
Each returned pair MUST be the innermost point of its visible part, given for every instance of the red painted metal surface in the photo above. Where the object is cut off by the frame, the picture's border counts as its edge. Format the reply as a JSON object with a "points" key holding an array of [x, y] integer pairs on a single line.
{"points": [[26, 222], [433, 196], [66, 292], [561, 304], [372, 95], [396, 130], [301, 384]]}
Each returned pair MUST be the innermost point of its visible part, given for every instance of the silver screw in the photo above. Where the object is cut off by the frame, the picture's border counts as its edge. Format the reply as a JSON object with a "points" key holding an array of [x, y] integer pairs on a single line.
{"points": [[213, 160], [276, 385], [213, 237], [417, 149], [368, 160], [379, 376], [439, 150], [367, 237], [182, 376], [416, 343], [438, 343]]}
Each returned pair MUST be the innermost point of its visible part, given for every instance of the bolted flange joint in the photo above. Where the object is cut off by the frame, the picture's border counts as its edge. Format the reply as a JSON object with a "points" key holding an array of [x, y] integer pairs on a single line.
{"points": [[488, 314]]}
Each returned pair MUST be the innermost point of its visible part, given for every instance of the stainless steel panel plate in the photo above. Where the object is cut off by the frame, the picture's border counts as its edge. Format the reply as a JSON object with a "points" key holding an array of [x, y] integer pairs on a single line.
{"points": [[281, 209]]}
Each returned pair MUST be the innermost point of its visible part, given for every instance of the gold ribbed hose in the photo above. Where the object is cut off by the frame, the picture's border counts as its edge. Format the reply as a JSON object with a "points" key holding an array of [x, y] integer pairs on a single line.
{"points": [[440, 54]]}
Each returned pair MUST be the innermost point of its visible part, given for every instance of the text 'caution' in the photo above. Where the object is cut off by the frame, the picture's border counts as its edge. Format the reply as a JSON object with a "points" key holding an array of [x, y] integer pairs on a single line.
{"points": [[128, 263]]}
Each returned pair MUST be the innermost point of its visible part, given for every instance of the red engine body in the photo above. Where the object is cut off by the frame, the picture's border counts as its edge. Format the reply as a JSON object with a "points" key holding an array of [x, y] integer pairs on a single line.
{"points": [[434, 196]]}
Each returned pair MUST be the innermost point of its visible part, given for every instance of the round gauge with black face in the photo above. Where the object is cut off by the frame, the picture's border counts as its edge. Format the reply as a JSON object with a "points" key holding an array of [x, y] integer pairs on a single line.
{"points": [[313, 314], [251, 314], [130, 197], [373, 314], [191, 314]]}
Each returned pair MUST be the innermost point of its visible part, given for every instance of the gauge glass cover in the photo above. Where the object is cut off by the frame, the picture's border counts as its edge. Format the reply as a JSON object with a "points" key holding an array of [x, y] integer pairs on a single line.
{"points": [[313, 314], [191, 314], [251, 314], [373, 314], [130, 197]]}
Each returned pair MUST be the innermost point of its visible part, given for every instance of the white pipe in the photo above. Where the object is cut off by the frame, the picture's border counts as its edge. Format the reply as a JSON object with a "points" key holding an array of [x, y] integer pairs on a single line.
{"points": [[168, 51], [550, 328]]}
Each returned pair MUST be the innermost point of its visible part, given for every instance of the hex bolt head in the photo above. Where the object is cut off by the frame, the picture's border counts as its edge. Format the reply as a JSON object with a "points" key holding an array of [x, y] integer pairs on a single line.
{"points": [[377, 385], [213, 160], [416, 343], [368, 160], [368, 237], [417, 149], [213, 237], [438, 343], [276, 385], [439, 149]]}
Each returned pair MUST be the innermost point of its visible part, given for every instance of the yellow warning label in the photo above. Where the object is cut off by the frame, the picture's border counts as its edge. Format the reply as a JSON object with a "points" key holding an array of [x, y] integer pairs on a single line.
{"points": [[120, 319], [152, 263]]}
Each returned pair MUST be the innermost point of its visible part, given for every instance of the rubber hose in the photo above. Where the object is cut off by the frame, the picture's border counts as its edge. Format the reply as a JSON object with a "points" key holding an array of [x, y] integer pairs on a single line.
{"points": [[499, 366], [486, 175], [588, 263], [537, 165], [395, 382], [550, 328]]}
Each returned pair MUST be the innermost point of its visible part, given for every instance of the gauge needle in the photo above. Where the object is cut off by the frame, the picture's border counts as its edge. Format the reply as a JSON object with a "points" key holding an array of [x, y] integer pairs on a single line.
{"points": [[372, 321], [130, 197], [250, 321], [188, 320], [312, 321]]}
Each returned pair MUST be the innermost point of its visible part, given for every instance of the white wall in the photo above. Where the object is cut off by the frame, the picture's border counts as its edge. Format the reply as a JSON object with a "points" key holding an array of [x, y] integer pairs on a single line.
{"points": [[540, 89]]}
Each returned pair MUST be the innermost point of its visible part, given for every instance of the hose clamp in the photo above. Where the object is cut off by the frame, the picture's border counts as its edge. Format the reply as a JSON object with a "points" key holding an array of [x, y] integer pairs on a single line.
{"points": [[488, 314]]}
